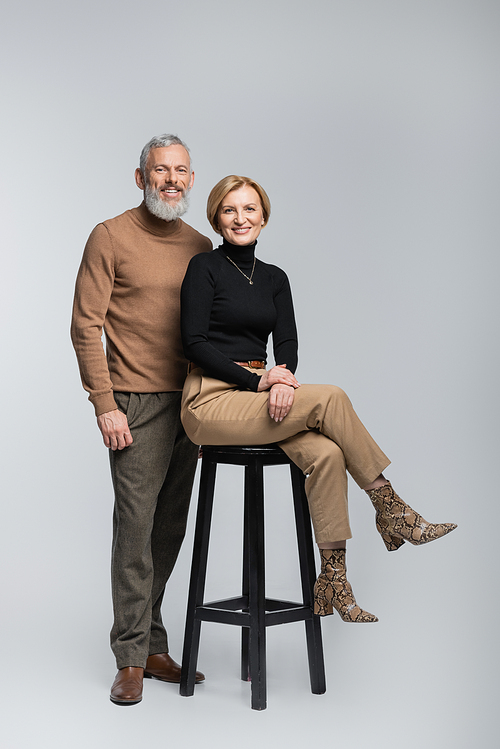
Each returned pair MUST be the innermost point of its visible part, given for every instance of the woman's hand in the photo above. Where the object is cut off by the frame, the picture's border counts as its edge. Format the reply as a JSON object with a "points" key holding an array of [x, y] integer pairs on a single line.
{"points": [[280, 401], [278, 375]]}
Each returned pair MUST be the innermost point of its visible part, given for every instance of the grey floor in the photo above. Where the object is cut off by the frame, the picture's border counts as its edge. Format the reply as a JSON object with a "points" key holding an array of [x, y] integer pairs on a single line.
{"points": [[424, 675]]}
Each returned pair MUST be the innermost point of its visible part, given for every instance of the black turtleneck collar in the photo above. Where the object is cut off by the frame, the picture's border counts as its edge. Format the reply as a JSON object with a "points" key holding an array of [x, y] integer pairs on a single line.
{"points": [[240, 254]]}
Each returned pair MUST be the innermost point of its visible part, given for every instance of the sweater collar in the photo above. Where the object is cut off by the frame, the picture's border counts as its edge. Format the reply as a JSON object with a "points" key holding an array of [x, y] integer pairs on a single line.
{"points": [[156, 225], [239, 254]]}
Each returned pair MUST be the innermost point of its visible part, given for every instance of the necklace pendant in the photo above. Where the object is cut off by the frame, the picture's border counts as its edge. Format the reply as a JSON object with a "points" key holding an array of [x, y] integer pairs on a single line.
{"points": [[249, 279]]}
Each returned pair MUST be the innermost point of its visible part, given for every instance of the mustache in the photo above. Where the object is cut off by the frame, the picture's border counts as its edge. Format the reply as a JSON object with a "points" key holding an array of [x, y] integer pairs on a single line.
{"points": [[157, 190]]}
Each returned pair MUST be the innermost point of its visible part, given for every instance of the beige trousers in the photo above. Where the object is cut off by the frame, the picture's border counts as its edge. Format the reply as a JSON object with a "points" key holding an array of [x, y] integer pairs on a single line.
{"points": [[322, 435]]}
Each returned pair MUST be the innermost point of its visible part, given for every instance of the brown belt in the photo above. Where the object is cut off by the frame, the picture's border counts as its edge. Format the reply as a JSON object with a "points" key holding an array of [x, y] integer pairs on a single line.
{"points": [[254, 363]]}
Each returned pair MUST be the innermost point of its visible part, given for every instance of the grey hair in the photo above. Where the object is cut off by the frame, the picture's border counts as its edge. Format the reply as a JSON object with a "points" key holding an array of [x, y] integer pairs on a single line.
{"points": [[161, 141]]}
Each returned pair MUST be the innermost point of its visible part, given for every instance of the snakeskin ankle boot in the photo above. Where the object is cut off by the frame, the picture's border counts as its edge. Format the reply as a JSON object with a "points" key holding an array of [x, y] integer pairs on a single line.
{"points": [[333, 590], [397, 522]]}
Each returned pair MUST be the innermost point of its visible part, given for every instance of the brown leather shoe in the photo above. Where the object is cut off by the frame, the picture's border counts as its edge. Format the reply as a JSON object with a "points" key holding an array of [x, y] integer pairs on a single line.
{"points": [[161, 666], [127, 687]]}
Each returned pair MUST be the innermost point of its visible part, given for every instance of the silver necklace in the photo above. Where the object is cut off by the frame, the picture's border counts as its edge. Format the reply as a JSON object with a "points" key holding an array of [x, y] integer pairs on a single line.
{"points": [[249, 278]]}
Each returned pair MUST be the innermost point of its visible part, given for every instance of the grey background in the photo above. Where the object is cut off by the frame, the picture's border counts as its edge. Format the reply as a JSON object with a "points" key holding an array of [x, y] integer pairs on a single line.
{"points": [[374, 128]]}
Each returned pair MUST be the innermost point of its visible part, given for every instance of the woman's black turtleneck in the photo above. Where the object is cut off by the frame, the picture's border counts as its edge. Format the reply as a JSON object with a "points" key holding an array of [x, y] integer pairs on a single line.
{"points": [[225, 319]]}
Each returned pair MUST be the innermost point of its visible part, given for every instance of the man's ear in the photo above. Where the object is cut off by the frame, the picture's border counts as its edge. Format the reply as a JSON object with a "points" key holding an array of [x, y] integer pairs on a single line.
{"points": [[139, 179], [191, 180]]}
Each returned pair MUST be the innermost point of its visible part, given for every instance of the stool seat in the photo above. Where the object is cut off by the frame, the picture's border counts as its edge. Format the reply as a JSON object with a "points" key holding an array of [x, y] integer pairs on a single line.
{"points": [[251, 610], [245, 449]]}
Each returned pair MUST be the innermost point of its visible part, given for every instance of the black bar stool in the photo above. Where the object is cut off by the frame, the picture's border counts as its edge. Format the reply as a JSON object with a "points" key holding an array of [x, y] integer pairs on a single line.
{"points": [[252, 610]]}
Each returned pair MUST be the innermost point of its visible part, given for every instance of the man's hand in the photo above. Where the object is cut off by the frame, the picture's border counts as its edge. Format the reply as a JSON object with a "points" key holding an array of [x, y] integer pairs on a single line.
{"points": [[277, 375], [114, 429], [280, 401]]}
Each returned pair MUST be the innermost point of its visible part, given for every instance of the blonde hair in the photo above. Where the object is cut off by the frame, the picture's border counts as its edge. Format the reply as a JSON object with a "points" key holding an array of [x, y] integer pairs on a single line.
{"points": [[227, 185]]}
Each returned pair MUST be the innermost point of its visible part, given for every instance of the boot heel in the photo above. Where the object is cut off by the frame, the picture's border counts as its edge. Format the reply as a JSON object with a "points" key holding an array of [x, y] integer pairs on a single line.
{"points": [[325, 608], [392, 543]]}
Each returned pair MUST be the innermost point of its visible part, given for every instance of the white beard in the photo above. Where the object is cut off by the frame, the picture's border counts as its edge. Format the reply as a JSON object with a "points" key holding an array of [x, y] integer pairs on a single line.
{"points": [[162, 209]]}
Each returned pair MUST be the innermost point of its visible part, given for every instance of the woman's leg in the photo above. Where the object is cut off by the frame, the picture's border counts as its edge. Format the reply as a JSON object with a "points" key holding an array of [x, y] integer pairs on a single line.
{"points": [[216, 413], [222, 415], [326, 487], [240, 417], [322, 435], [323, 464]]}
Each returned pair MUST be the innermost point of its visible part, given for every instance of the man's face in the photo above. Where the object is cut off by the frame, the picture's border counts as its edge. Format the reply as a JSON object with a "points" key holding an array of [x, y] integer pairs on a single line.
{"points": [[167, 181]]}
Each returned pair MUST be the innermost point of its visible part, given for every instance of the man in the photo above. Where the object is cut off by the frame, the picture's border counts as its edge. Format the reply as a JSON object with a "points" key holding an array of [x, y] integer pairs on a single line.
{"points": [[129, 285]]}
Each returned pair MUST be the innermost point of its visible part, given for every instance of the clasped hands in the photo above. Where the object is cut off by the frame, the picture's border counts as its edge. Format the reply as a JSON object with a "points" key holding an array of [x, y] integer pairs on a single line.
{"points": [[281, 384]]}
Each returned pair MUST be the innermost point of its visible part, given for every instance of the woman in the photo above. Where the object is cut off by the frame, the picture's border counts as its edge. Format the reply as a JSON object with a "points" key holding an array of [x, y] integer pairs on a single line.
{"points": [[230, 303]]}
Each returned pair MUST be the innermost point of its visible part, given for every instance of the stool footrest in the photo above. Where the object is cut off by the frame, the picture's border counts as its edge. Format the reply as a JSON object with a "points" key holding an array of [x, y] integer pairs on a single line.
{"points": [[235, 611]]}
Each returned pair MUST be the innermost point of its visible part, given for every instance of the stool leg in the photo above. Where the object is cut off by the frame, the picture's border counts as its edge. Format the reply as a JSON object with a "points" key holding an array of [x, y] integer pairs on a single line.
{"points": [[198, 577], [245, 631], [308, 578], [254, 498]]}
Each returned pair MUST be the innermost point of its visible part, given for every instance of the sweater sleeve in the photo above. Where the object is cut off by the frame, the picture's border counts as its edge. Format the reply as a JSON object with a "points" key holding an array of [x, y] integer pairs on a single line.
{"points": [[285, 340], [93, 289], [197, 294]]}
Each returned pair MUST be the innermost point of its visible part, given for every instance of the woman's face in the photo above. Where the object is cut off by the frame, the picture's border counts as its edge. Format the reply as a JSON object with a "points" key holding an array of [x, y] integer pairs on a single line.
{"points": [[240, 216]]}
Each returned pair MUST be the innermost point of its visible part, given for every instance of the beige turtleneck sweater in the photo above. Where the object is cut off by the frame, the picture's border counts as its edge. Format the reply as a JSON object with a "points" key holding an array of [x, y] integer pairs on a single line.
{"points": [[129, 285]]}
